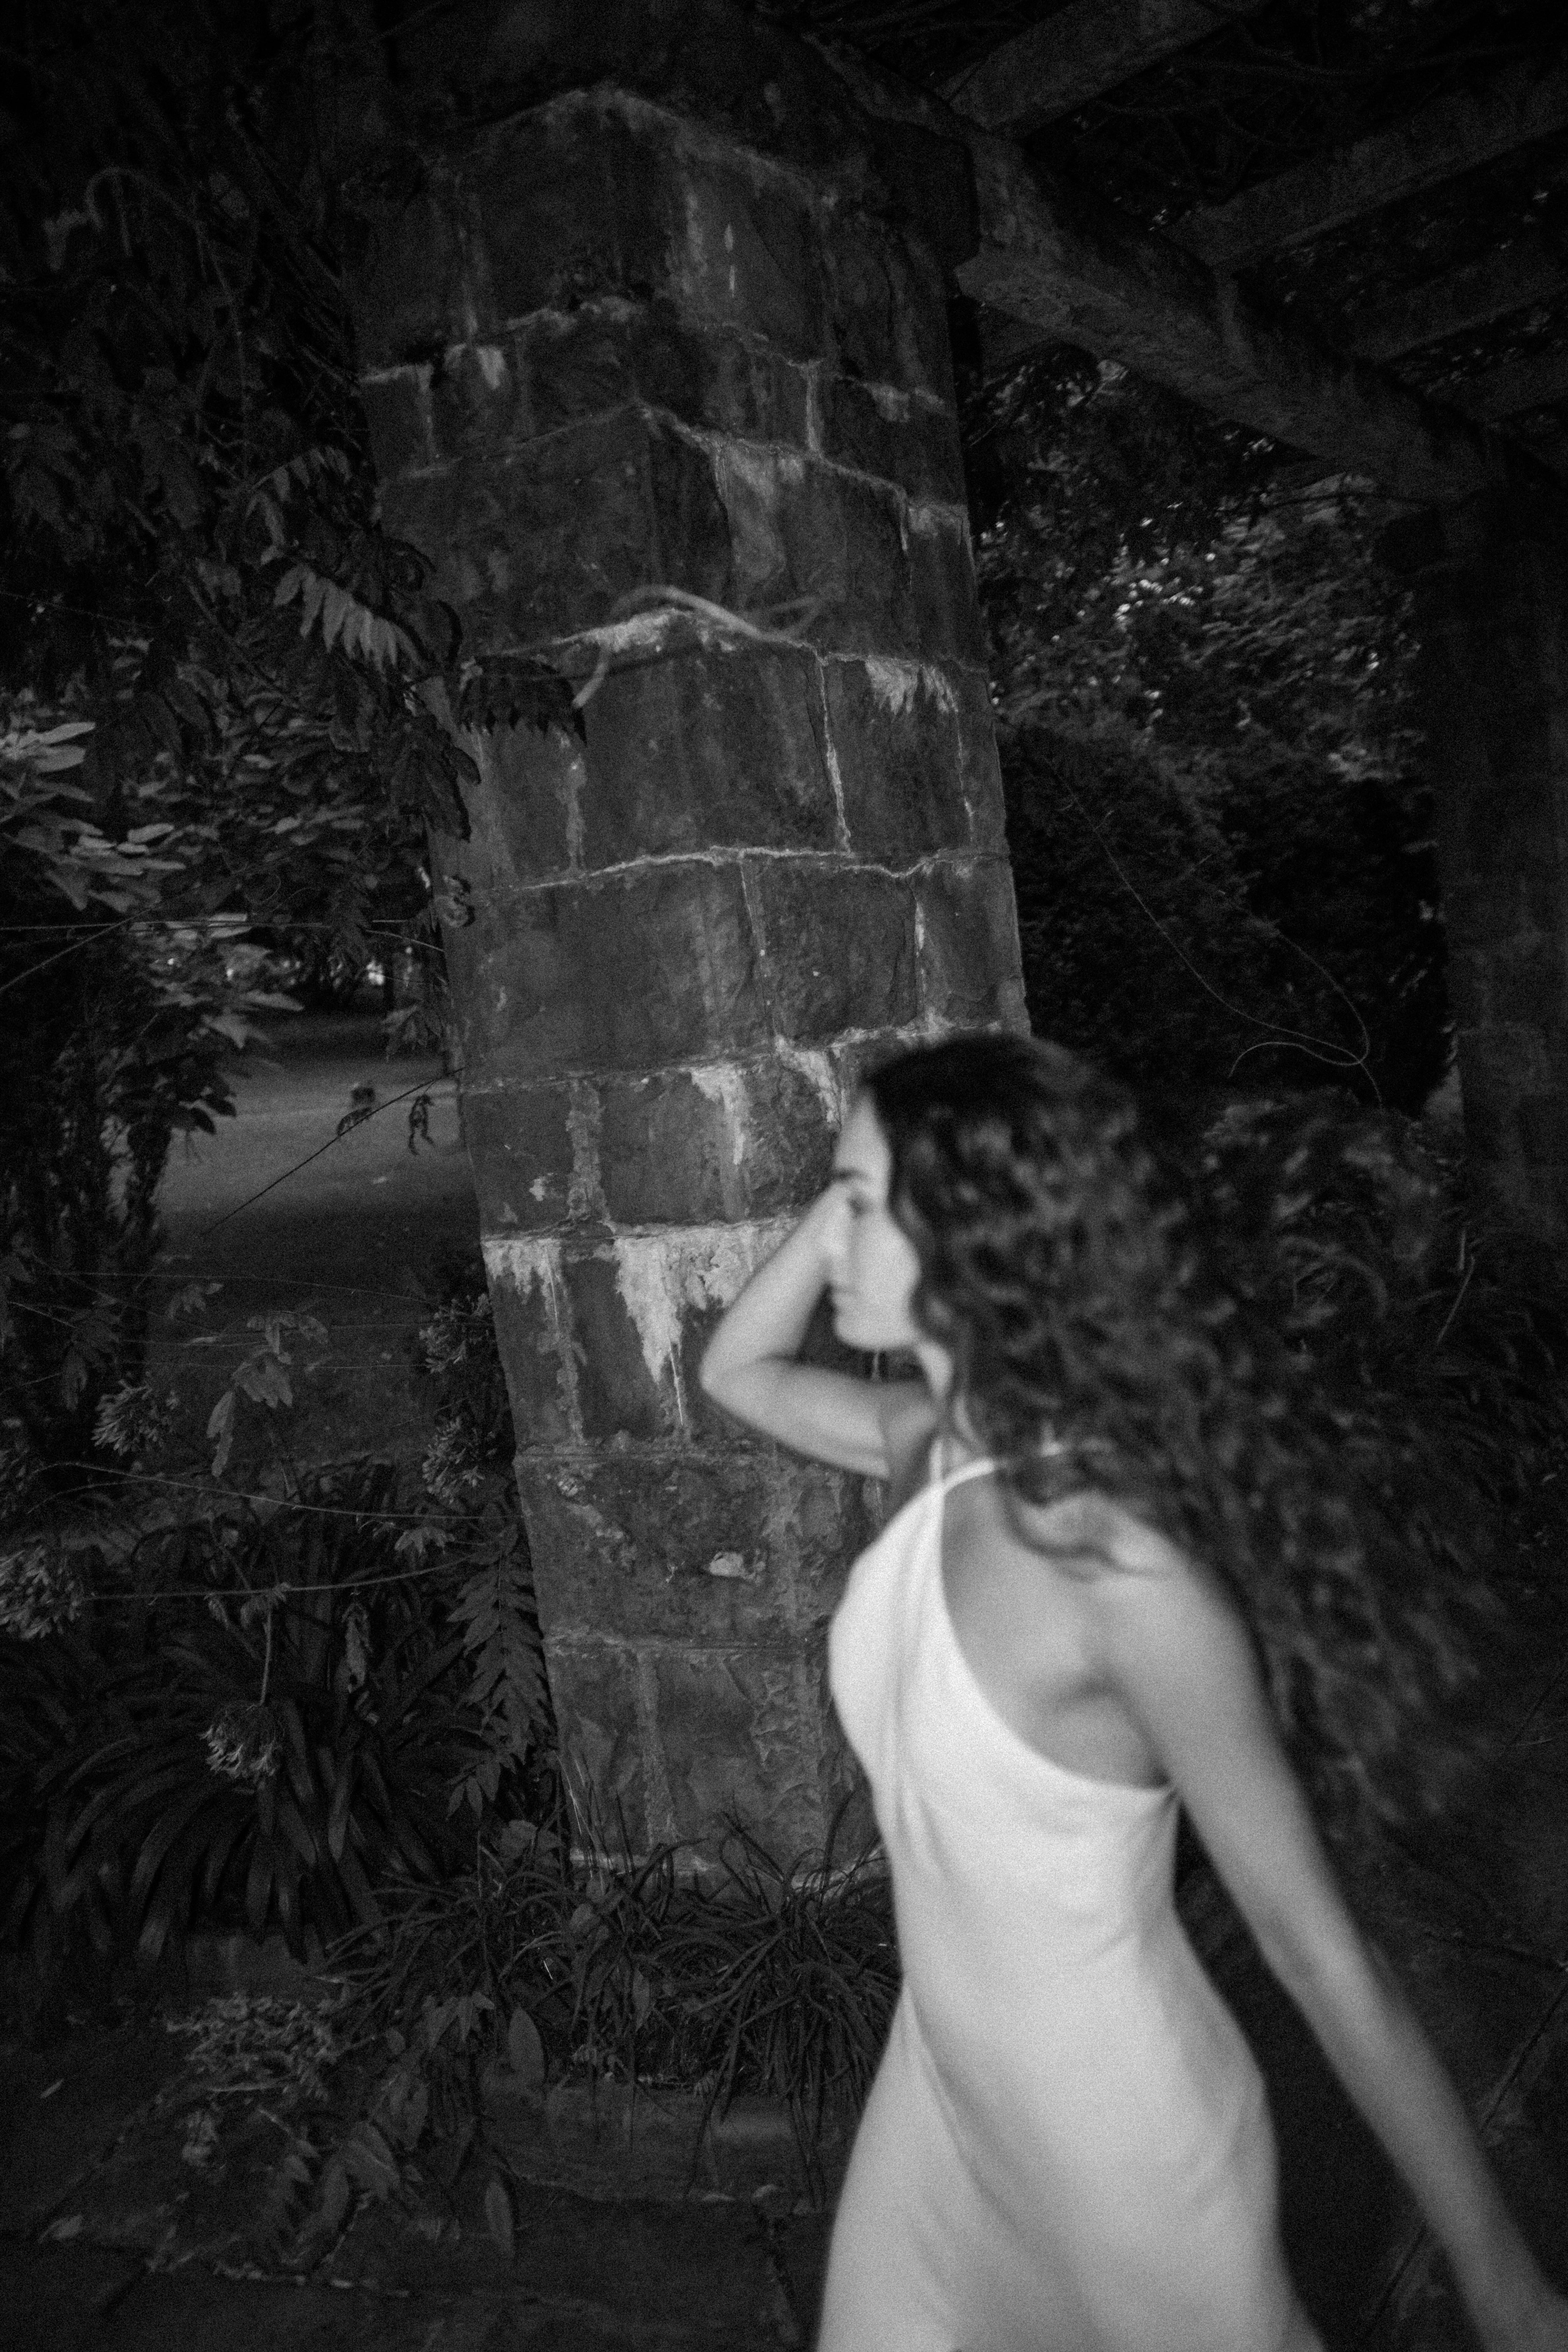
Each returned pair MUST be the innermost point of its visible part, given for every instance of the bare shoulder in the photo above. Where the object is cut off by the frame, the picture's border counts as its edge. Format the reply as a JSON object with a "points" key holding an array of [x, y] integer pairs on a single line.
{"points": [[1100, 1535], [1136, 1580]]}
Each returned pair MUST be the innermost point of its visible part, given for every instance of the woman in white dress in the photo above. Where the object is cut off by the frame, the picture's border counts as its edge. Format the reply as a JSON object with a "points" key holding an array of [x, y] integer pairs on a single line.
{"points": [[1120, 1575]]}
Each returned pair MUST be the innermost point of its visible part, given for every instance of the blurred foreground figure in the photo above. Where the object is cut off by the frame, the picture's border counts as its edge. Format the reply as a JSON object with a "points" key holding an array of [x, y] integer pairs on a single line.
{"points": [[1125, 1576]]}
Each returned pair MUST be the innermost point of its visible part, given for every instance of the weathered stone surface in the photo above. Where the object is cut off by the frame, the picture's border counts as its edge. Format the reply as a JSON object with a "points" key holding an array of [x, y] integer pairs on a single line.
{"points": [[626, 1385], [633, 972], [521, 1144], [804, 535], [726, 1142], [740, 1733], [655, 360], [533, 1334], [978, 762], [948, 626], [710, 1548], [968, 929], [585, 363], [881, 430], [571, 202], [544, 540], [525, 818], [594, 1685], [896, 736], [712, 746], [751, 257], [477, 402], [889, 318], [839, 946]]}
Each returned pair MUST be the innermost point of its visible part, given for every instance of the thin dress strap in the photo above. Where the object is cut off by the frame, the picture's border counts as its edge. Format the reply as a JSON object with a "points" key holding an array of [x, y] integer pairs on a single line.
{"points": [[945, 1479]]}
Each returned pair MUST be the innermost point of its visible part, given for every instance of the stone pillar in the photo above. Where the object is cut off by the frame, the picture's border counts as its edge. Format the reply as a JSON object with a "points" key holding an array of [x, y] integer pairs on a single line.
{"points": [[609, 347], [1490, 582]]}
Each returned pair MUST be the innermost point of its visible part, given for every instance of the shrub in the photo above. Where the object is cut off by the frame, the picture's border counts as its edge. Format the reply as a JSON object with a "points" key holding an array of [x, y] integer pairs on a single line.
{"points": [[776, 1978], [264, 1720]]}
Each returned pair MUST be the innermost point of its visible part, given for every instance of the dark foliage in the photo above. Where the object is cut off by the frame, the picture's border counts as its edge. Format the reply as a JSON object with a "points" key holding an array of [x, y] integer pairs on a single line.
{"points": [[260, 1724]]}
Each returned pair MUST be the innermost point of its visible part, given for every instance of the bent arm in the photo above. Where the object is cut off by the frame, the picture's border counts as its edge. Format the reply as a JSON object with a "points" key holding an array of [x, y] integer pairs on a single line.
{"points": [[751, 1368], [1185, 1666]]}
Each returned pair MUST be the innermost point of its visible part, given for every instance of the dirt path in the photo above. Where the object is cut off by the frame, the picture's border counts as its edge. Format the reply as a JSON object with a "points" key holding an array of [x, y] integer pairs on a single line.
{"points": [[347, 1227]]}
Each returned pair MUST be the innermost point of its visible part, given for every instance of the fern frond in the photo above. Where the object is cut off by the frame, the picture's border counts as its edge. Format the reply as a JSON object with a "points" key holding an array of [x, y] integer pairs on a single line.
{"points": [[495, 1609]]}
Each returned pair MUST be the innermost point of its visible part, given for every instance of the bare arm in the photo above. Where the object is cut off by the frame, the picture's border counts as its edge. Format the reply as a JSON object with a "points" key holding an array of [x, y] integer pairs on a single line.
{"points": [[1183, 1663], [750, 1367]]}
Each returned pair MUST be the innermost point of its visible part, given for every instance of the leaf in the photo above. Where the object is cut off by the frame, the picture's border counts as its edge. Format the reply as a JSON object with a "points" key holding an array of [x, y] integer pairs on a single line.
{"points": [[220, 1425], [336, 2196], [525, 2050], [499, 2220], [232, 1026], [369, 2161], [337, 604]]}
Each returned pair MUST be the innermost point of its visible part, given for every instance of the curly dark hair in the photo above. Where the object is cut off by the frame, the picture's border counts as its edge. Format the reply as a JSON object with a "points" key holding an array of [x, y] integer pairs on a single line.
{"points": [[1068, 1270]]}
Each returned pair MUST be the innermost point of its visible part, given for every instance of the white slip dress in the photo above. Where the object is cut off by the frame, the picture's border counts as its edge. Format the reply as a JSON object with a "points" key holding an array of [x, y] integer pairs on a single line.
{"points": [[1067, 2147]]}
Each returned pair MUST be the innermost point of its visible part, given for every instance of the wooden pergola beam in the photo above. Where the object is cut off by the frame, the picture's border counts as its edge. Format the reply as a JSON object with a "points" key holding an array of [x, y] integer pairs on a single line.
{"points": [[1536, 380], [1081, 274], [1440, 141], [1524, 272], [1085, 49]]}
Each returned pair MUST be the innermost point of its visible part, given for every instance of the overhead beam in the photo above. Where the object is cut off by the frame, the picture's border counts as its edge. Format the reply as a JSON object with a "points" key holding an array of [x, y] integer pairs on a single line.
{"points": [[1081, 274], [1083, 49], [1526, 272], [1537, 380], [1436, 144]]}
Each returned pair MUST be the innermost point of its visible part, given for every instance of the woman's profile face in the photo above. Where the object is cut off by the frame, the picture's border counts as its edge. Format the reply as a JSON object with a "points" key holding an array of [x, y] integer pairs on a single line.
{"points": [[872, 1265]]}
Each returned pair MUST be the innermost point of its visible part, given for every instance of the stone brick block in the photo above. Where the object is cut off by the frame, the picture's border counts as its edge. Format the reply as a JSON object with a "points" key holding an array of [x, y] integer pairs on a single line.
{"points": [[704, 1547], [625, 1356], [523, 812], [533, 1339], [572, 202], [739, 1734], [594, 1689], [979, 764], [839, 947], [715, 745], [720, 1144], [716, 379], [579, 364], [751, 257], [802, 532], [948, 626], [478, 403], [591, 361], [407, 291], [896, 735], [635, 971], [881, 430], [520, 1147], [887, 310], [397, 414], [970, 974], [547, 540]]}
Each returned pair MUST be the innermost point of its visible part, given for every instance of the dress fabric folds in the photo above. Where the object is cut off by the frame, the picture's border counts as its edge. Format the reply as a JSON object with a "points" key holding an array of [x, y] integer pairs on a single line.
{"points": [[1067, 2146]]}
